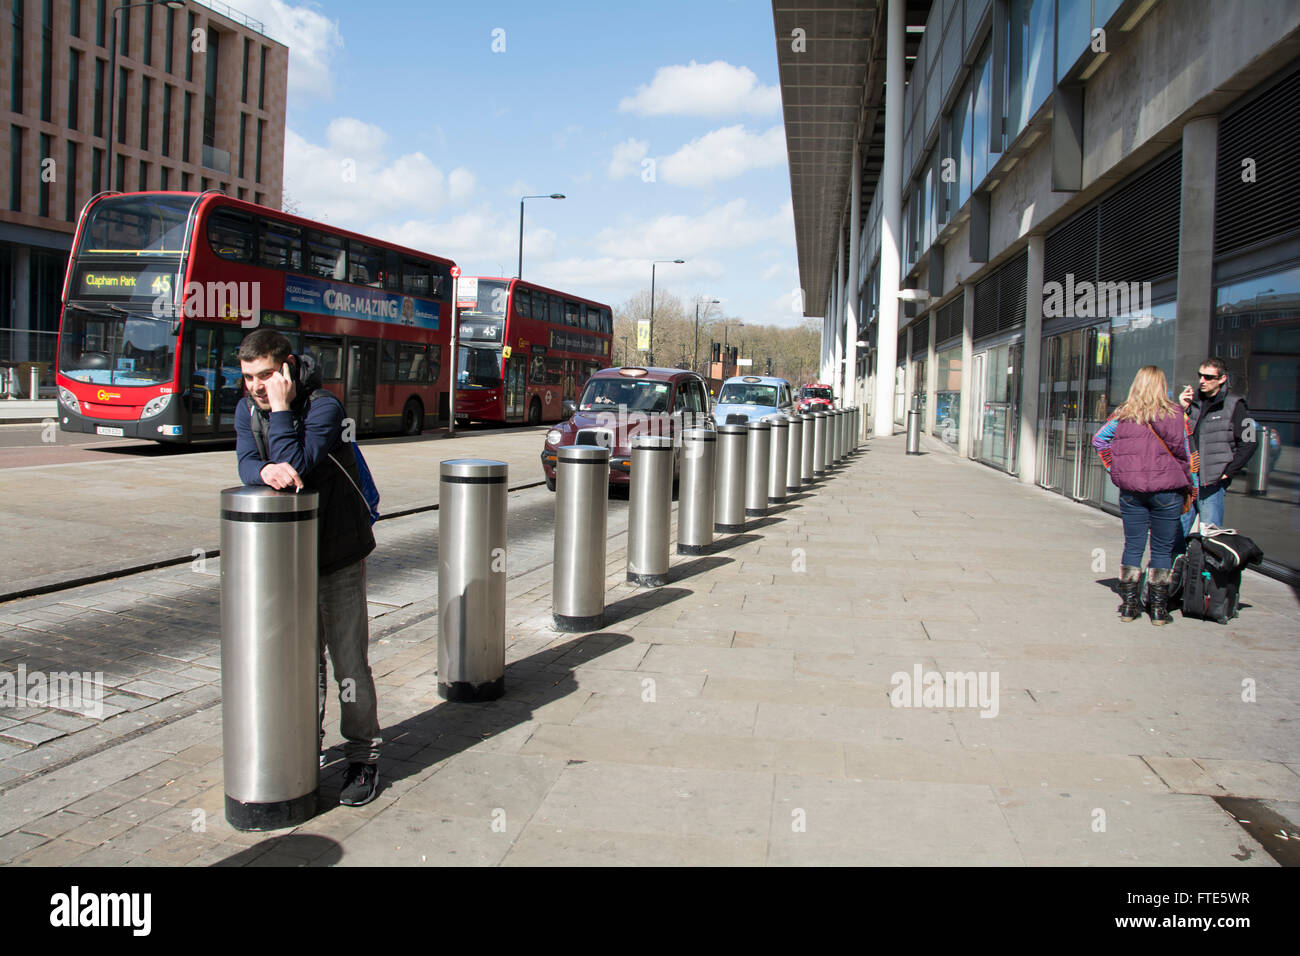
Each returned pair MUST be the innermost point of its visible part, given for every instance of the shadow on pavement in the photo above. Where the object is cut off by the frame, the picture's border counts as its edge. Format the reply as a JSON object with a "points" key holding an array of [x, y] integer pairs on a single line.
{"points": [[696, 566], [645, 600], [733, 541], [307, 848]]}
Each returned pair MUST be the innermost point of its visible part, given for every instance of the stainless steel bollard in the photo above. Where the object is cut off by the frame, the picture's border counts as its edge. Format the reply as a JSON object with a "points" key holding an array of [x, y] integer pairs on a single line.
{"points": [[581, 515], [777, 462], [914, 428], [807, 440], [756, 468], [472, 579], [729, 487], [819, 444], [36, 383], [269, 721], [794, 455], [650, 495], [833, 438], [695, 491]]}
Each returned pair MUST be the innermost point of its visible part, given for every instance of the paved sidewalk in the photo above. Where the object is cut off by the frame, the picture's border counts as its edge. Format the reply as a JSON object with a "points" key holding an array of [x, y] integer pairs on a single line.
{"points": [[743, 715]]}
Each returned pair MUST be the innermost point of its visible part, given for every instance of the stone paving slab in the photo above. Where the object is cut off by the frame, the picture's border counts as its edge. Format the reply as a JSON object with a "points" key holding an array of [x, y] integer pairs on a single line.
{"points": [[743, 714]]}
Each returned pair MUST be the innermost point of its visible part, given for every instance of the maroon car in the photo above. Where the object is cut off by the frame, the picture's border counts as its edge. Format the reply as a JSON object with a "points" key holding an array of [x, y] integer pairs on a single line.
{"points": [[619, 403]]}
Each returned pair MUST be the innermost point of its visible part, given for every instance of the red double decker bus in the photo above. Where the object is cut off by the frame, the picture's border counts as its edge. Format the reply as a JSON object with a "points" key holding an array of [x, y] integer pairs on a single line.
{"points": [[525, 349], [161, 288]]}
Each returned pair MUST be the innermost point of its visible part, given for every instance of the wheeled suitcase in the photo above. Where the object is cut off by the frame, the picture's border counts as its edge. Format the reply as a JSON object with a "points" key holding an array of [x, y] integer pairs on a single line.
{"points": [[1211, 579]]}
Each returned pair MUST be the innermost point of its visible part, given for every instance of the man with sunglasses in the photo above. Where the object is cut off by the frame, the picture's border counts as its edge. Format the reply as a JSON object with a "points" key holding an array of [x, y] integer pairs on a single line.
{"points": [[1219, 434]]}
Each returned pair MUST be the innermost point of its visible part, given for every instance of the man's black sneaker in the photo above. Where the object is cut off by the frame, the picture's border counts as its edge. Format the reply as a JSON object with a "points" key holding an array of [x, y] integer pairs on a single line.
{"points": [[360, 784]]}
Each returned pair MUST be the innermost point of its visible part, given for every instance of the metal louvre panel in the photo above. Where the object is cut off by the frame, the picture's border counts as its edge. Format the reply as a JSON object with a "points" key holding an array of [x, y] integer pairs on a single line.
{"points": [[921, 334], [1139, 225], [1011, 292], [950, 320], [1266, 130], [1072, 249], [986, 306], [902, 345]]}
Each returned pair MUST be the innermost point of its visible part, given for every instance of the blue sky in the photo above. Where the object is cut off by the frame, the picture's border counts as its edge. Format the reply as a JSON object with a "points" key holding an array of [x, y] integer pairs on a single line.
{"points": [[660, 122]]}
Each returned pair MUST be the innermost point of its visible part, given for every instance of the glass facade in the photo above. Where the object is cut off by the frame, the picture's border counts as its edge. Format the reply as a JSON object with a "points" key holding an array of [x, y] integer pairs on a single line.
{"points": [[1256, 332], [1000, 412], [1029, 60], [947, 395]]}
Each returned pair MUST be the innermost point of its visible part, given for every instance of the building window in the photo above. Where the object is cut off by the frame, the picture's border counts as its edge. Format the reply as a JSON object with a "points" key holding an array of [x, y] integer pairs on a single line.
{"points": [[101, 68], [147, 39], [243, 132], [96, 171], [47, 59], [16, 168], [74, 86], [16, 64], [123, 48], [121, 103], [144, 176], [100, 10], [261, 82], [241, 192], [257, 169], [185, 182], [243, 81], [70, 185], [210, 89], [167, 120], [164, 178], [189, 51], [46, 164], [257, 198], [1031, 26], [121, 177], [171, 39], [185, 129], [146, 93]]}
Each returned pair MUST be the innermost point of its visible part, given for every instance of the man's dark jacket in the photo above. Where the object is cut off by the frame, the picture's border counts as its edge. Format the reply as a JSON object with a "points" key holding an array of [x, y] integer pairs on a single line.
{"points": [[1218, 427], [305, 437]]}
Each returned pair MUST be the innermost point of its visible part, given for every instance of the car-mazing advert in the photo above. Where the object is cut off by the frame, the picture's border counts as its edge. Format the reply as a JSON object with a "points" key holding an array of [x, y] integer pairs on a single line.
{"points": [[351, 302]]}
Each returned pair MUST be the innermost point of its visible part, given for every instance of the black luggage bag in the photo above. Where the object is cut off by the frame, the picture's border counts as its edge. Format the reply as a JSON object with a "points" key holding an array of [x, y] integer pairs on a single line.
{"points": [[1211, 573]]}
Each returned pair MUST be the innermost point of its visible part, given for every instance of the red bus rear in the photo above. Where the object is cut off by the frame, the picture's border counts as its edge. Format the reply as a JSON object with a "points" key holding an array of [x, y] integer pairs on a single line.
{"points": [[525, 349]]}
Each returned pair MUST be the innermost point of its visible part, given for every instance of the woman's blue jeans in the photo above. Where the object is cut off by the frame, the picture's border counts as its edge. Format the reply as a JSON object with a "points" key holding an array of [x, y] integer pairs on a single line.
{"points": [[1154, 512]]}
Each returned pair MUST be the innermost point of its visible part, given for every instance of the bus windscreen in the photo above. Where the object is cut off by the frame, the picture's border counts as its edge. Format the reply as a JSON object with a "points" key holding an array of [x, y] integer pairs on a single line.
{"points": [[112, 348], [145, 224]]}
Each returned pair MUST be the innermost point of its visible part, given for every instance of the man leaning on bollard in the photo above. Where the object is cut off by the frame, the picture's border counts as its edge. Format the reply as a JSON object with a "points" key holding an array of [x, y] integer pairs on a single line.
{"points": [[290, 436]]}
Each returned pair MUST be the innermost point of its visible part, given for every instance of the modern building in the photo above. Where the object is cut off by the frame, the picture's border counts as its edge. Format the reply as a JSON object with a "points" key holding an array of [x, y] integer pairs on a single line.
{"points": [[193, 95], [1004, 208]]}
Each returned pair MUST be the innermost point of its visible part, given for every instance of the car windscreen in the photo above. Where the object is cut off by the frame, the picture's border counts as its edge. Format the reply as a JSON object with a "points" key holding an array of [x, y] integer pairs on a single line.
{"points": [[817, 393], [607, 394], [742, 393]]}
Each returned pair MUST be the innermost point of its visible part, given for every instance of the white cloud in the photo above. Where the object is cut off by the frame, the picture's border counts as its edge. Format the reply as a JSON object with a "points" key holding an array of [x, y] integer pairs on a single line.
{"points": [[312, 38], [481, 242], [349, 181], [730, 226], [703, 89], [626, 158], [723, 154]]}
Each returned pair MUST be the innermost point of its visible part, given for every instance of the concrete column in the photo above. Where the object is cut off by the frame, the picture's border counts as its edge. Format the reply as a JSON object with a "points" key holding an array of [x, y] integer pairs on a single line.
{"points": [[909, 372], [891, 187], [852, 293], [23, 347], [1027, 457], [1195, 250], [967, 377], [931, 375], [837, 320]]}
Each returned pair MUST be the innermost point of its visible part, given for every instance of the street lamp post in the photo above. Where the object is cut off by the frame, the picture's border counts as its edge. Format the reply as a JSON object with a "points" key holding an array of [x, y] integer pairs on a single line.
{"points": [[520, 273], [695, 359], [650, 352], [112, 75]]}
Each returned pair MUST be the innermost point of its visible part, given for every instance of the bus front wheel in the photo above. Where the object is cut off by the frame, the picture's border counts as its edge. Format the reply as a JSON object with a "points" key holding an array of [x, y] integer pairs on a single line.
{"points": [[535, 412], [412, 417]]}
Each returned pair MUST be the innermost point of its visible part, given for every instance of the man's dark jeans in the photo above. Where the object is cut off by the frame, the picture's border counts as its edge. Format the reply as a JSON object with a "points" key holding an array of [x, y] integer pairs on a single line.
{"points": [[1156, 512], [343, 629]]}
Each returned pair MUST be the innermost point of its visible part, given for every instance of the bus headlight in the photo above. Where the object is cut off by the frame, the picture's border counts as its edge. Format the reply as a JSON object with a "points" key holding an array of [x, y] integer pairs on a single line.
{"points": [[155, 406], [69, 400], [553, 437]]}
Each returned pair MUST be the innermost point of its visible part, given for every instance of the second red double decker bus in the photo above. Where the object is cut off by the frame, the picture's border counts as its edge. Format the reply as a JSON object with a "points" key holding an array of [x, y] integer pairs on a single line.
{"points": [[525, 349]]}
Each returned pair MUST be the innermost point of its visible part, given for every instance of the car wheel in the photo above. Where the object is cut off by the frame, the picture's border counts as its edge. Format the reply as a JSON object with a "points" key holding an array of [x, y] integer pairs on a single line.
{"points": [[412, 417], [535, 412]]}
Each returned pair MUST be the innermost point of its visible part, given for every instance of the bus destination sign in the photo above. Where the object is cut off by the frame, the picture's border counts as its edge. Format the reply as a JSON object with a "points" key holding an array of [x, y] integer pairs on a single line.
{"points": [[145, 281]]}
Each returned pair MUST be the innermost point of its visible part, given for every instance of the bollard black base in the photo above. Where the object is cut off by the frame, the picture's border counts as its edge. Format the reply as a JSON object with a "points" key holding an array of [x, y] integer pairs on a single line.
{"points": [[755, 512], [818, 474], [647, 580], [693, 549], [729, 528], [791, 490], [462, 691], [571, 624], [775, 501], [270, 816]]}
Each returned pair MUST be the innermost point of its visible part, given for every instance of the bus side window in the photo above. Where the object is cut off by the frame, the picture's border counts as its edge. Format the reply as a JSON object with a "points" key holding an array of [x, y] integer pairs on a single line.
{"points": [[388, 362], [416, 276], [523, 303], [433, 363], [329, 353], [280, 245], [326, 256], [392, 270], [557, 310], [608, 322], [231, 235], [363, 263], [572, 314]]}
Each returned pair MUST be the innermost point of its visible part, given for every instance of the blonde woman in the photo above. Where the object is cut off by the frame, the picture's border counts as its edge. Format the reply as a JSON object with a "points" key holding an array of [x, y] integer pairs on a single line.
{"points": [[1144, 447]]}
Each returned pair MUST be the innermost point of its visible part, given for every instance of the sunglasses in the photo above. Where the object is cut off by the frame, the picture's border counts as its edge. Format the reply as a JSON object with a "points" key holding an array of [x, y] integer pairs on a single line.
{"points": [[1210, 377]]}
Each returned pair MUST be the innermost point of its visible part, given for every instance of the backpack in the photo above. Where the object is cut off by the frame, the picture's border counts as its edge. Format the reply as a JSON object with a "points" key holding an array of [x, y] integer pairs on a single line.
{"points": [[1212, 572], [368, 490]]}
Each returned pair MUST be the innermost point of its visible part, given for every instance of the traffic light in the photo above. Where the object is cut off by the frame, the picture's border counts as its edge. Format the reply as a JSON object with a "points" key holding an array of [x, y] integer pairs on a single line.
{"points": [[716, 352], [769, 366]]}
